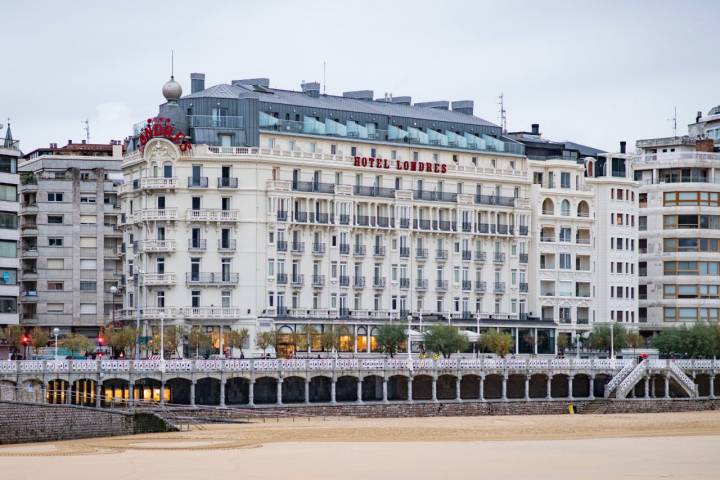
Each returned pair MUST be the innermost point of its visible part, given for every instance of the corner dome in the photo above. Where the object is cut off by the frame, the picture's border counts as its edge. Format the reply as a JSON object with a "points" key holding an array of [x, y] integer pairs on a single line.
{"points": [[172, 90]]}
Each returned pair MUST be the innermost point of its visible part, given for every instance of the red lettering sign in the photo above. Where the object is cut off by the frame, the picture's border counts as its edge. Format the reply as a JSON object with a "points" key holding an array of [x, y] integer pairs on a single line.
{"points": [[407, 166], [159, 127]]}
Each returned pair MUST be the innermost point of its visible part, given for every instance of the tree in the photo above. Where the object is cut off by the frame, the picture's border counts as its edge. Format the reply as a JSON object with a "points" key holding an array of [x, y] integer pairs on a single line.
{"points": [[265, 340], [563, 339], [237, 338], [39, 337], [500, 343], [445, 340], [634, 340], [172, 338], [197, 338], [77, 343], [600, 337], [332, 338], [13, 336], [121, 339], [389, 337], [699, 341]]}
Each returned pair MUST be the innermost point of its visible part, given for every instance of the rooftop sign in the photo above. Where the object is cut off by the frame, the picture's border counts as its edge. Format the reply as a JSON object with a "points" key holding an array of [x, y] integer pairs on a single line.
{"points": [[160, 127], [401, 165]]}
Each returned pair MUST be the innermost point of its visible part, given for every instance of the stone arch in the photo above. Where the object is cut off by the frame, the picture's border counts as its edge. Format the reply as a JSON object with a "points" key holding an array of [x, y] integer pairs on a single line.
{"points": [[179, 389], [601, 379], [265, 390], [320, 389], [559, 386], [346, 389], [115, 391], [583, 209], [493, 386], [31, 391], [56, 391], [538, 385], [397, 387], [207, 391], [565, 208], [702, 380], [548, 207], [147, 389], [470, 387], [237, 391], [422, 387], [83, 392], [515, 386], [372, 388], [445, 387], [293, 390], [7, 390], [581, 385]]}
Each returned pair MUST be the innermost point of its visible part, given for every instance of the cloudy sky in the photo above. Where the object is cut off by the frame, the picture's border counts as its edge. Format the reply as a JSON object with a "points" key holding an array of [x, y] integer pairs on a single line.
{"points": [[592, 72]]}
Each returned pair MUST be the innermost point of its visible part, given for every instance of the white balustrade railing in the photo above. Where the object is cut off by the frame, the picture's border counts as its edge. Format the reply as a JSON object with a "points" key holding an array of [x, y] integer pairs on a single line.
{"points": [[631, 380], [615, 381], [682, 378]]}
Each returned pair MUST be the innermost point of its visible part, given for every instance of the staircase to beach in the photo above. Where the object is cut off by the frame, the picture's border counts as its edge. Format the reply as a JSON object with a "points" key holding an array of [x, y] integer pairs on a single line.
{"points": [[614, 383]]}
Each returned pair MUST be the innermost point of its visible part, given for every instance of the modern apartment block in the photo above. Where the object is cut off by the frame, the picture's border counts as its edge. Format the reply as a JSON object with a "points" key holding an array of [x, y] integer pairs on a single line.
{"points": [[584, 246], [9, 237], [249, 206], [680, 226], [70, 237]]}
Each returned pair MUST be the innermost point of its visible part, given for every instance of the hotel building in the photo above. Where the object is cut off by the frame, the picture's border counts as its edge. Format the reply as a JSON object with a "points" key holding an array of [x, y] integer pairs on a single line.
{"points": [[680, 226], [246, 206], [9, 180], [70, 238]]}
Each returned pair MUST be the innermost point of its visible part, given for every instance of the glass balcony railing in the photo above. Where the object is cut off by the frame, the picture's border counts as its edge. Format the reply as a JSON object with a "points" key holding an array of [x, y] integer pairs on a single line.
{"points": [[215, 121]]}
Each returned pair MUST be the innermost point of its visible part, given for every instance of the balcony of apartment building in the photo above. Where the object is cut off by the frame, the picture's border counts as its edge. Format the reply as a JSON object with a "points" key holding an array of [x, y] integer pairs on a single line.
{"points": [[227, 245], [480, 286], [547, 234], [226, 181], [152, 279], [344, 248], [441, 254], [523, 257], [378, 250], [466, 255], [151, 215], [29, 268], [28, 291], [480, 256], [359, 281], [441, 285], [313, 186], [421, 284], [583, 316], [155, 183], [421, 253], [497, 200], [359, 250], [322, 218], [318, 281], [404, 252], [499, 287], [404, 222], [28, 226], [211, 215], [212, 279], [547, 313], [582, 236], [374, 191], [422, 224], [282, 215], [300, 216], [281, 278], [582, 289], [318, 248], [29, 247], [344, 219], [499, 257], [547, 261], [548, 207], [404, 282], [466, 227], [466, 285], [582, 263], [197, 244], [297, 280], [344, 280], [523, 286], [197, 182], [547, 288], [378, 282], [28, 205], [211, 313], [281, 245], [297, 247], [583, 209]]}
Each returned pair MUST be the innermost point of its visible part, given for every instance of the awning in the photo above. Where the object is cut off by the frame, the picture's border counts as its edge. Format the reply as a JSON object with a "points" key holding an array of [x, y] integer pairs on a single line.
{"points": [[472, 336]]}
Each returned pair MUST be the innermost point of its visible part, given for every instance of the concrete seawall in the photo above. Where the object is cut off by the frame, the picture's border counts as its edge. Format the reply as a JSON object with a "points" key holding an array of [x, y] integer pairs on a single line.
{"points": [[32, 422]]}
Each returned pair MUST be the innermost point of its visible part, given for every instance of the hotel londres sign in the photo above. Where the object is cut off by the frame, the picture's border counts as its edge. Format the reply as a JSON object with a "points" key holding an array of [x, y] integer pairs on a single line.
{"points": [[160, 127], [401, 165]]}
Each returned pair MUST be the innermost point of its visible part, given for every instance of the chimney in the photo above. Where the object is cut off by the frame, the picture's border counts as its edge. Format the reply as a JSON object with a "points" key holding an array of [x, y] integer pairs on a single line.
{"points": [[622, 146], [311, 88], [83, 142], [69, 142], [535, 127], [463, 106], [359, 94], [438, 104], [262, 82], [698, 117], [402, 100], [197, 82]]}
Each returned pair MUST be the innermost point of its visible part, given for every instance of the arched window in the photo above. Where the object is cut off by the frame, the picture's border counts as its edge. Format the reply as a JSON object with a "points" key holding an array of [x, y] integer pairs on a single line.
{"points": [[583, 209], [548, 207], [565, 208]]}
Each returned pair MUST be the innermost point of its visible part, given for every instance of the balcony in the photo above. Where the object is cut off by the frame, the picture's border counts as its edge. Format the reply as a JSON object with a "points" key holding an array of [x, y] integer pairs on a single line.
{"points": [[480, 287], [227, 245], [423, 224], [404, 223], [374, 191], [421, 253], [30, 252], [378, 282], [499, 257], [503, 229], [323, 218], [483, 228], [216, 121], [344, 219], [383, 221], [149, 279], [281, 279], [282, 216], [480, 256], [197, 245], [157, 246], [297, 247], [466, 255], [379, 250], [447, 226], [197, 182], [344, 249], [435, 196], [281, 246], [441, 254], [194, 313], [211, 278], [441, 285], [362, 220], [523, 258], [313, 186], [405, 252], [404, 282], [227, 182], [158, 183], [421, 284], [344, 280], [495, 200], [212, 215], [153, 215], [359, 250], [300, 216], [318, 280], [523, 287], [297, 280], [466, 226], [318, 248], [359, 282], [523, 230], [499, 287], [466, 285]]}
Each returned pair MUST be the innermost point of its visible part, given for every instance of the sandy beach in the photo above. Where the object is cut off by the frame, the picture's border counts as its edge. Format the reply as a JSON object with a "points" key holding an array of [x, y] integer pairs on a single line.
{"points": [[637, 446]]}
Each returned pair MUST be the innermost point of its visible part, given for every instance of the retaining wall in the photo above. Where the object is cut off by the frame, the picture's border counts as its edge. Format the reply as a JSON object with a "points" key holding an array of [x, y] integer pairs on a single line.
{"points": [[31, 422]]}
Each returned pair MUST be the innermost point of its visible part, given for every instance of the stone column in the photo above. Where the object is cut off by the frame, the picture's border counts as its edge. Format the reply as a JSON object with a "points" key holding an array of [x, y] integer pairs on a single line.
{"points": [[43, 393], [457, 390], [251, 393], [131, 392], [359, 390], [222, 392], [646, 390], [307, 390], [98, 394], [384, 391], [162, 393], [712, 386], [592, 388], [68, 393], [192, 393], [504, 387], [570, 392], [652, 387], [409, 389], [527, 387], [434, 389], [333, 392], [481, 389], [279, 391], [548, 393], [667, 386]]}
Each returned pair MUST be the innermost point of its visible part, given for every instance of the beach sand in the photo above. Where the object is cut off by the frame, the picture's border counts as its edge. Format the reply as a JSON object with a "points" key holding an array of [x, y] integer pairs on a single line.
{"points": [[633, 446]]}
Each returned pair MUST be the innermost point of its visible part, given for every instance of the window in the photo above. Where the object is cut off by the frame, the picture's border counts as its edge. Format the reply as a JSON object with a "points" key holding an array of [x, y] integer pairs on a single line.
{"points": [[8, 249], [87, 199], [8, 277], [564, 180], [195, 298], [8, 220], [88, 242], [565, 261], [88, 219], [55, 263], [55, 307], [565, 235], [55, 285], [55, 197], [88, 264], [86, 286], [88, 308], [55, 219], [8, 192], [55, 241]]}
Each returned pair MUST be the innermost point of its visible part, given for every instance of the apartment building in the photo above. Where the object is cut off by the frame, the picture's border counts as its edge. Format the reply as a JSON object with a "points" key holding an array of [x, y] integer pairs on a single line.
{"points": [[679, 226], [249, 206], [9, 237], [69, 236]]}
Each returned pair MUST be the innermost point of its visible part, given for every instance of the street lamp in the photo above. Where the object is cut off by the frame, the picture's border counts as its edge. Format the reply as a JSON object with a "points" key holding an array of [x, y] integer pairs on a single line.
{"points": [[477, 326], [113, 291], [56, 332], [137, 314], [409, 349]]}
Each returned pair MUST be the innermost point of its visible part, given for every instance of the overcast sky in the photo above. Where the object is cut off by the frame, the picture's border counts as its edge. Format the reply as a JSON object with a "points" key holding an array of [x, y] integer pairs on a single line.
{"points": [[592, 72]]}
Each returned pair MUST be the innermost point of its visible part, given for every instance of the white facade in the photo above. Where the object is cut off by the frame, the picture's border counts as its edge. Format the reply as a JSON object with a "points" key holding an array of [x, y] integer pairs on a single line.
{"points": [[297, 233], [9, 235]]}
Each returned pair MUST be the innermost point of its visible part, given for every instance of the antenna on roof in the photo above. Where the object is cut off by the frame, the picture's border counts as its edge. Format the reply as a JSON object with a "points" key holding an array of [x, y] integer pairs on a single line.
{"points": [[674, 120], [86, 127], [172, 63], [503, 113], [324, 83]]}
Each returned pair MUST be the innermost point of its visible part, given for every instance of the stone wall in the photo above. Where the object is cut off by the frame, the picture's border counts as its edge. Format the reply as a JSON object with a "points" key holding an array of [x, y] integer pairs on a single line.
{"points": [[32, 422]]}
